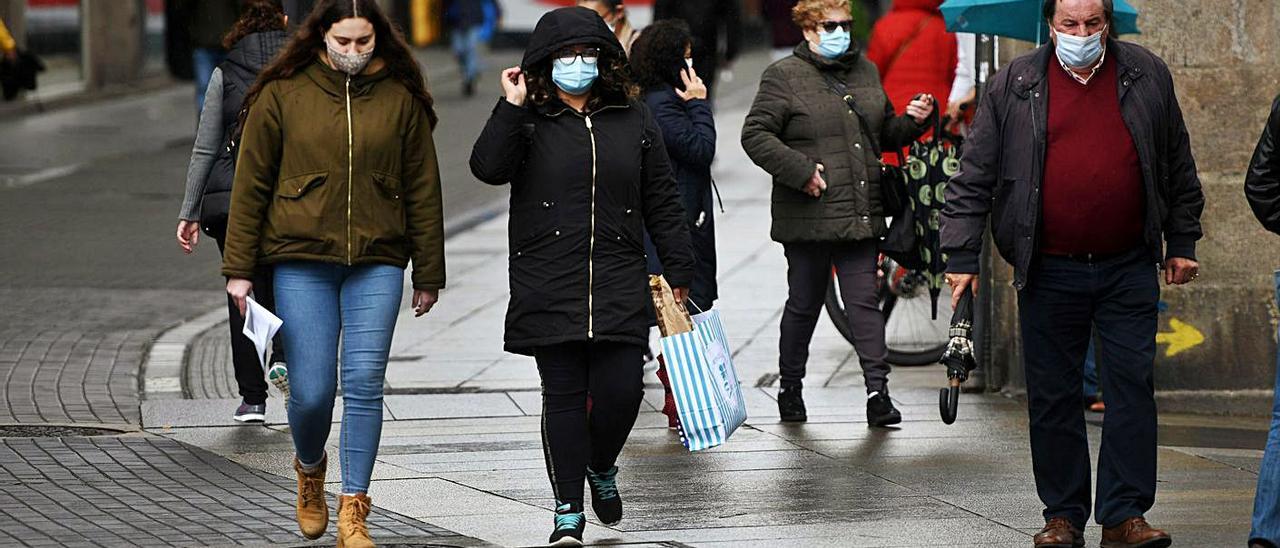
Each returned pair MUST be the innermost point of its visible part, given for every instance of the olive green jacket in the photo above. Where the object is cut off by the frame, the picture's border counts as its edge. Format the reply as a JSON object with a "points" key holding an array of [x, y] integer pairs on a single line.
{"points": [[340, 171], [797, 122]]}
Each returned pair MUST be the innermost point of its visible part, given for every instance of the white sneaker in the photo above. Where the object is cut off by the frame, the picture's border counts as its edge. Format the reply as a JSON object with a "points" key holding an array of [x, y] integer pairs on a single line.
{"points": [[279, 376]]}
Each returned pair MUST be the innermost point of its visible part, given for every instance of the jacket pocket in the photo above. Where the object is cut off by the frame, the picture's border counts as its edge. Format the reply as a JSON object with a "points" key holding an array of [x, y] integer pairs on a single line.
{"points": [[531, 225], [298, 186], [389, 218]]}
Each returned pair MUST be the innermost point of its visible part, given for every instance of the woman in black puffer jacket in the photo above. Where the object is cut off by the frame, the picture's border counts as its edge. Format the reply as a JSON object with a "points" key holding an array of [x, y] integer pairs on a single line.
{"points": [[588, 174]]}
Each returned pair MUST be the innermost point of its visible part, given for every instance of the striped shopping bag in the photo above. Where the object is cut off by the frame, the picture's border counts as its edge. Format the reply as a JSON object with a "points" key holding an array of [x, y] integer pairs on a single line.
{"points": [[708, 394]]}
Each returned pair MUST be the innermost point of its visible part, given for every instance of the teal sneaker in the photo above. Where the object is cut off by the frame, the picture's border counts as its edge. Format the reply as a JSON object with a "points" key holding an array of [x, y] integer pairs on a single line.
{"points": [[569, 525], [605, 500], [279, 377]]}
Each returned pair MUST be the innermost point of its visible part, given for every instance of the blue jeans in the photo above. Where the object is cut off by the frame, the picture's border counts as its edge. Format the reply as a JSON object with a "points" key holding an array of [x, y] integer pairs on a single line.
{"points": [[1090, 372], [318, 302], [1266, 502], [466, 45], [203, 61]]}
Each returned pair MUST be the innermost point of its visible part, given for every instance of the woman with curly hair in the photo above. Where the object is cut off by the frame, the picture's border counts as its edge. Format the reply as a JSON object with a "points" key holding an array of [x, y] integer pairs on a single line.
{"points": [[252, 42], [817, 120], [662, 63], [588, 174], [337, 187]]}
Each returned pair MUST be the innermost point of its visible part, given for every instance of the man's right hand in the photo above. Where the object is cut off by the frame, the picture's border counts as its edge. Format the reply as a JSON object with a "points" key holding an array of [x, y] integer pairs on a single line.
{"points": [[958, 283], [816, 185]]}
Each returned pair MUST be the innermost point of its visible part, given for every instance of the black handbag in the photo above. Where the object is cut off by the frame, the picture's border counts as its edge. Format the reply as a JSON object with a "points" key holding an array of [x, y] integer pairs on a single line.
{"points": [[901, 240]]}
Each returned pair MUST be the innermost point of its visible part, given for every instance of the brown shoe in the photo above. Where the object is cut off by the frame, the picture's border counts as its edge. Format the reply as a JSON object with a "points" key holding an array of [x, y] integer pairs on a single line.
{"points": [[352, 531], [313, 510], [1134, 533], [1059, 533]]}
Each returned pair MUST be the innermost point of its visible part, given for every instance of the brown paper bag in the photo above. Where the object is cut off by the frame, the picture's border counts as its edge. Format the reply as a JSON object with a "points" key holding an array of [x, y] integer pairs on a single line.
{"points": [[673, 319]]}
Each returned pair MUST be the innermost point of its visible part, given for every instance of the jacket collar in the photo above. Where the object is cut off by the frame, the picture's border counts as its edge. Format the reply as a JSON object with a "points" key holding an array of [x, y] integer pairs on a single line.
{"points": [[334, 82], [556, 107], [1043, 59], [844, 62]]}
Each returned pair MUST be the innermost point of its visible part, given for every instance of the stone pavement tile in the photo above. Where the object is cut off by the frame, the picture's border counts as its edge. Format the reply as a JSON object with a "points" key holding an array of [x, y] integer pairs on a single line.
{"points": [[880, 533], [433, 498], [405, 375], [442, 406], [528, 529], [185, 413], [142, 490], [460, 426]]}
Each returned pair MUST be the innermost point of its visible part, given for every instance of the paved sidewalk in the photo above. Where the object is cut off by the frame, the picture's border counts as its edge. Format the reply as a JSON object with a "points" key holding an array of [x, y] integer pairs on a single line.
{"points": [[461, 447]]}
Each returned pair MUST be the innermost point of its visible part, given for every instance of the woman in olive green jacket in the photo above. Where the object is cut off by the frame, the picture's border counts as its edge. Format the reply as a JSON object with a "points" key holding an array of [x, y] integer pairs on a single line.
{"points": [[826, 200], [337, 186]]}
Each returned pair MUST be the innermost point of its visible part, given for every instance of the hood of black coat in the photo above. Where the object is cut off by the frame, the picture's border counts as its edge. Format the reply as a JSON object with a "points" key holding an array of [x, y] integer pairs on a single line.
{"points": [[567, 27], [255, 51]]}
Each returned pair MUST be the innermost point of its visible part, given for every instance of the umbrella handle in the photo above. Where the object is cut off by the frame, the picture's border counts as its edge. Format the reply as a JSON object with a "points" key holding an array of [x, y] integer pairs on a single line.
{"points": [[949, 401]]}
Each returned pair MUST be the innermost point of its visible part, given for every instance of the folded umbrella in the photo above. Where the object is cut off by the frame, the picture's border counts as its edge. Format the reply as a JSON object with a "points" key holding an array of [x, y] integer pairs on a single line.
{"points": [[1020, 19], [958, 357]]}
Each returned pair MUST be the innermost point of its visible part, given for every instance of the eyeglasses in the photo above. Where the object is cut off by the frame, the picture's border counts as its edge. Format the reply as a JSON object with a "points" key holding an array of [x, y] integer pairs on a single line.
{"points": [[588, 55], [831, 26]]}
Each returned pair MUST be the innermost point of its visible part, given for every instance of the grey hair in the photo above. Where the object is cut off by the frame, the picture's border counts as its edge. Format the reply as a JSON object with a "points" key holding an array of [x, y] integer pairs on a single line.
{"points": [[1108, 7]]}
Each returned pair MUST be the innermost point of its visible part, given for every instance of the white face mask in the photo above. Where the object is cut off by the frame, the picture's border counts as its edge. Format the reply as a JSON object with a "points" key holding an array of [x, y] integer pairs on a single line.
{"points": [[1080, 52], [688, 63], [350, 63]]}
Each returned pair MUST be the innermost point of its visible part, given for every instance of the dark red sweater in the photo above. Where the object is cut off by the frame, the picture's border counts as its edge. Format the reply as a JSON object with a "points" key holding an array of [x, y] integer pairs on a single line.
{"points": [[1093, 199]]}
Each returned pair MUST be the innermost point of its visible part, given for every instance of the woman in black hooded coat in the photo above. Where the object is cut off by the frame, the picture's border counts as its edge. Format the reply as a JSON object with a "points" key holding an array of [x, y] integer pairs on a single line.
{"points": [[589, 174]]}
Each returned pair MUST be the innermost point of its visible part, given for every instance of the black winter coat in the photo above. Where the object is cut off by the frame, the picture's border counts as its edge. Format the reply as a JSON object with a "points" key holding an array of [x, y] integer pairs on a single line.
{"points": [[584, 188], [1003, 163], [689, 132], [1262, 182], [246, 59]]}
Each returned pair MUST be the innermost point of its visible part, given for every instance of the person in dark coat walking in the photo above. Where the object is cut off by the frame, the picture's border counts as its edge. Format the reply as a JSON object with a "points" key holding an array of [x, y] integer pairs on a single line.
{"points": [[1262, 188], [467, 20], [207, 22], [1079, 156], [589, 173], [663, 66], [826, 206], [709, 21], [253, 42]]}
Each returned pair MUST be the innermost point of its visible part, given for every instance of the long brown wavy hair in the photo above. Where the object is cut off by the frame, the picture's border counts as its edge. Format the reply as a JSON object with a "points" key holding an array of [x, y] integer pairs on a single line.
{"points": [[308, 42], [255, 16], [612, 86]]}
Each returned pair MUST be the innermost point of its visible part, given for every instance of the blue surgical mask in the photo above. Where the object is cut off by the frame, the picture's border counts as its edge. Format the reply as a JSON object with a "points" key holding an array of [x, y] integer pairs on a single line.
{"points": [[574, 78], [833, 44], [1080, 53]]}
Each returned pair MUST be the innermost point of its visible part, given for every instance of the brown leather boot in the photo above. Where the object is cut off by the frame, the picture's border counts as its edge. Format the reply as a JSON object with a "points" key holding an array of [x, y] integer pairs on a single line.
{"points": [[313, 510], [1059, 533], [1134, 533], [352, 531]]}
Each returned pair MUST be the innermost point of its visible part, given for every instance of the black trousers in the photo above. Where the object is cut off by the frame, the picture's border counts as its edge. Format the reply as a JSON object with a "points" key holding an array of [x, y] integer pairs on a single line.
{"points": [[244, 356], [1064, 300], [572, 439], [808, 276]]}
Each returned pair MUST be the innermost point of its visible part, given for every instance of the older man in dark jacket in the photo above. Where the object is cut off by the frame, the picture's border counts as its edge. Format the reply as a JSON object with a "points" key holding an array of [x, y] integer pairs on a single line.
{"points": [[1080, 157]]}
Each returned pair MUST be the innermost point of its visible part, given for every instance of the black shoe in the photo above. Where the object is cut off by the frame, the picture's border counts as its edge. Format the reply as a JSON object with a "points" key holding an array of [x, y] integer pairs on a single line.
{"points": [[791, 405], [469, 87], [880, 410], [605, 500], [569, 525]]}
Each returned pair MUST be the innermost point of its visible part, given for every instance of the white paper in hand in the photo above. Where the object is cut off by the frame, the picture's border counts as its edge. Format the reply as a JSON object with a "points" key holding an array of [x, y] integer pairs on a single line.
{"points": [[260, 325]]}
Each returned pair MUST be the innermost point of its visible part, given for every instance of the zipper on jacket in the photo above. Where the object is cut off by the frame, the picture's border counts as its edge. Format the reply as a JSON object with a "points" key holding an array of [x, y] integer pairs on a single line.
{"points": [[591, 250], [350, 167]]}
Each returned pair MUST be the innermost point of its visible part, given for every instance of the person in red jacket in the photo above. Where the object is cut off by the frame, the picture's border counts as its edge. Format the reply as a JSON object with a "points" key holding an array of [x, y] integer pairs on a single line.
{"points": [[914, 52]]}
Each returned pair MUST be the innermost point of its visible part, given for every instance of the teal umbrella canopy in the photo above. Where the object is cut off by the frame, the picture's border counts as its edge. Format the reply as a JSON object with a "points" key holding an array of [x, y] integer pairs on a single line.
{"points": [[1018, 19]]}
